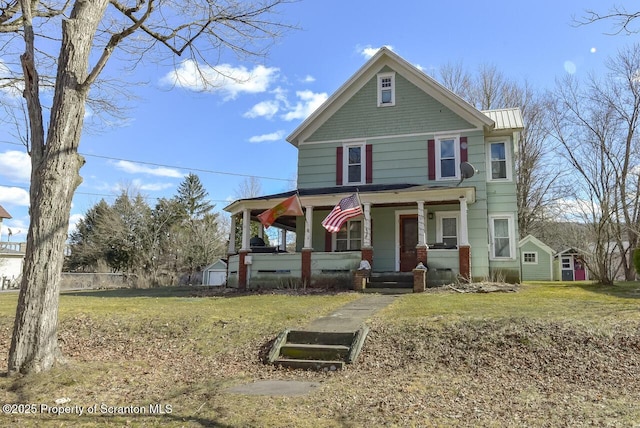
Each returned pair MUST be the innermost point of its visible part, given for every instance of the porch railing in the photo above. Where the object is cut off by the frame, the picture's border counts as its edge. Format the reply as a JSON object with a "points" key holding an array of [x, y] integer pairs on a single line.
{"points": [[278, 270]]}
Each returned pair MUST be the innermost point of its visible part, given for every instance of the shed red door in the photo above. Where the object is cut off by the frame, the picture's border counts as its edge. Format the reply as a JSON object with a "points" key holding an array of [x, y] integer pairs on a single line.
{"points": [[578, 270]]}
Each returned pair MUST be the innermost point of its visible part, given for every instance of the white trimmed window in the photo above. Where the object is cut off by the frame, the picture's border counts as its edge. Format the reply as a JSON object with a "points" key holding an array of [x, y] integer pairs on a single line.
{"points": [[447, 158], [354, 163], [499, 161], [502, 232], [447, 228], [349, 237], [530, 258], [386, 89]]}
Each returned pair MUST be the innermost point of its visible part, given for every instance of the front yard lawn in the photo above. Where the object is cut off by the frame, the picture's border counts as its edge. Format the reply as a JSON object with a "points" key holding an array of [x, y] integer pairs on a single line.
{"points": [[548, 355]]}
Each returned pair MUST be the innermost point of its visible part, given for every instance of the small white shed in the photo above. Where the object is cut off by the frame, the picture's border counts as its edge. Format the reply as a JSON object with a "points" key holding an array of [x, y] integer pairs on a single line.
{"points": [[11, 262], [215, 274]]}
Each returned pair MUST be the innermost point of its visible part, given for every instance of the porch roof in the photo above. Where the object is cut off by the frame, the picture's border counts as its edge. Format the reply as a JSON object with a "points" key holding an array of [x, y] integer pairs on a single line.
{"points": [[375, 194]]}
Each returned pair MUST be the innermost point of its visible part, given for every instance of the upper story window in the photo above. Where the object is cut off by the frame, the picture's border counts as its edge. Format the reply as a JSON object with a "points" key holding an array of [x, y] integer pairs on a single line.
{"points": [[349, 237], [354, 163], [447, 158], [386, 89], [499, 162]]}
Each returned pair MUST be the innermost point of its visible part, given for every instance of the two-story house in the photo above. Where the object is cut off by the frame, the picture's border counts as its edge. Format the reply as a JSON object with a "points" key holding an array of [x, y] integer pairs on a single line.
{"points": [[435, 177]]}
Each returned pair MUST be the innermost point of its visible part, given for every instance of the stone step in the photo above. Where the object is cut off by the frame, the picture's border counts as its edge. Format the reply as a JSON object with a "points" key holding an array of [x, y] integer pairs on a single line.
{"points": [[317, 350], [310, 364], [390, 284], [305, 351], [320, 338]]}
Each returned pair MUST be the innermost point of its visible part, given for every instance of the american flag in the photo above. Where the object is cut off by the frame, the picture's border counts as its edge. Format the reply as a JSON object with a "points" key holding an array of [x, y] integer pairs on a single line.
{"points": [[347, 208]]}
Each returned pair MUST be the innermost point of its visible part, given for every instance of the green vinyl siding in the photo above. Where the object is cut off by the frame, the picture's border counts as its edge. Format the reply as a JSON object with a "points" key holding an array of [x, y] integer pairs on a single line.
{"points": [[414, 112], [540, 271], [394, 160]]}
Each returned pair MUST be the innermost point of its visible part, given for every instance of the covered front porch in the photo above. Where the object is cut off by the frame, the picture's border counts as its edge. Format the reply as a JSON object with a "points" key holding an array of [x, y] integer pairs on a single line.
{"points": [[401, 226]]}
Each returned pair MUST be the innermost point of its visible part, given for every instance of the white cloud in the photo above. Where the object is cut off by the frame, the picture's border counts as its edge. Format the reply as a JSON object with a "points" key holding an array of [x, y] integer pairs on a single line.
{"points": [[263, 109], [14, 196], [73, 222], [224, 78], [16, 166], [368, 51], [309, 102], [151, 187], [274, 136], [308, 79], [134, 168]]}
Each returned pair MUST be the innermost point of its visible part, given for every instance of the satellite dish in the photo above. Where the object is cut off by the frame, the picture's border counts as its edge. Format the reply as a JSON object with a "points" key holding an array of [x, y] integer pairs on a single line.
{"points": [[466, 171]]}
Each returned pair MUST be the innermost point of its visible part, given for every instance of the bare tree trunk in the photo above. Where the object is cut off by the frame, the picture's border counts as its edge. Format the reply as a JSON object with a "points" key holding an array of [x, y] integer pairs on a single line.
{"points": [[54, 178]]}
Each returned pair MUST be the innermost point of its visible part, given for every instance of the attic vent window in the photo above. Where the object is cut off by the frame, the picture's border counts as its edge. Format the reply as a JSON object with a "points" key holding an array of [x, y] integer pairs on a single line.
{"points": [[386, 89]]}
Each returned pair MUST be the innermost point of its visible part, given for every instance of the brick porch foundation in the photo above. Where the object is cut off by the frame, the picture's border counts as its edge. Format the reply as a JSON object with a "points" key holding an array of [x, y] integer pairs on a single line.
{"points": [[421, 254], [306, 267], [464, 254], [367, 254]]}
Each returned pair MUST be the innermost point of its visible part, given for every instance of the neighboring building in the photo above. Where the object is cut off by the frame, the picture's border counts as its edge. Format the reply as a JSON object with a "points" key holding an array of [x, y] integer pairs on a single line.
{"points": [[215, 274], [11, 262], [569, 265], [3, 214], [403, 143], [11, 258], [536, 259]]}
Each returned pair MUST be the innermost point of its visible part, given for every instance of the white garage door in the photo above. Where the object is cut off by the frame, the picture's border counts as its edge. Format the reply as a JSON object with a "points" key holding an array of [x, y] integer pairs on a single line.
{"points": [[217, 277]]}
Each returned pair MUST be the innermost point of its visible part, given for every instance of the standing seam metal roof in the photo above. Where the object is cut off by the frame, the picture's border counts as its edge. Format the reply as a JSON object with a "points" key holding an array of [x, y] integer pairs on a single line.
{"points": [[506, 118]]}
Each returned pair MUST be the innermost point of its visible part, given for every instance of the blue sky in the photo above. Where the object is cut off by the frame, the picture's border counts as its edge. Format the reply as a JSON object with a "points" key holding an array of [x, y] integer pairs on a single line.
{"points": [[239, 129]]}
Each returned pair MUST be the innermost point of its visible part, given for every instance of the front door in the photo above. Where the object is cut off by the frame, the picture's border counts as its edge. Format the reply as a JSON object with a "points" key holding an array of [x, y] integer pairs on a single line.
{"points": [[408, 242]]}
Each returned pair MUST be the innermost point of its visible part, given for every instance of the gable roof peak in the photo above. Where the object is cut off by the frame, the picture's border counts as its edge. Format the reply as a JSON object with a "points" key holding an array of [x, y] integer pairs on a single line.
{"points": [[386, 57]]}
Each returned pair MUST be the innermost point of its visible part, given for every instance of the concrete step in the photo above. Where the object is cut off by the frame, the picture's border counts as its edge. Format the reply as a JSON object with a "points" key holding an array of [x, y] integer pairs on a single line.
{"points": [[317, 350], [310, 364], [305, 351], [390, 280], [320, 337]]}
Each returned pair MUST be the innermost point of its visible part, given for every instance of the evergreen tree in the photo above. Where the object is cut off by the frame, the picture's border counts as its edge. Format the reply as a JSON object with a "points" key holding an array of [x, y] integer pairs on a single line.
{"points": [[192, 197]]}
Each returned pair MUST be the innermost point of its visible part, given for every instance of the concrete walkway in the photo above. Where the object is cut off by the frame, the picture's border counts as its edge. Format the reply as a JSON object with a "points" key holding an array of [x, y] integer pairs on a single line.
{"points": [[347, 318], [352, 316]]}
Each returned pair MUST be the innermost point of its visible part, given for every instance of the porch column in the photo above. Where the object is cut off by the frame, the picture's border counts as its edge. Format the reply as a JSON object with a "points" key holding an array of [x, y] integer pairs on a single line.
{"points": [[232, 236], [421, 248], [243, 277], [246, 229], [308, 227], [367, 248], [464, 249], [283, 239], [307, 249], [464, 234], [261, 231]]}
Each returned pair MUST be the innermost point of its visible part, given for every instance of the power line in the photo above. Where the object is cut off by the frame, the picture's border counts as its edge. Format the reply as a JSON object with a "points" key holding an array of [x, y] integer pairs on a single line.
{"points": [[104, 195], [208, 171]]}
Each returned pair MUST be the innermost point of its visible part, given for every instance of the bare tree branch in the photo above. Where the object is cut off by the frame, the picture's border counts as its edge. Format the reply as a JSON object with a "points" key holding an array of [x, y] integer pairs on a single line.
{"points": [[623, 20]]}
